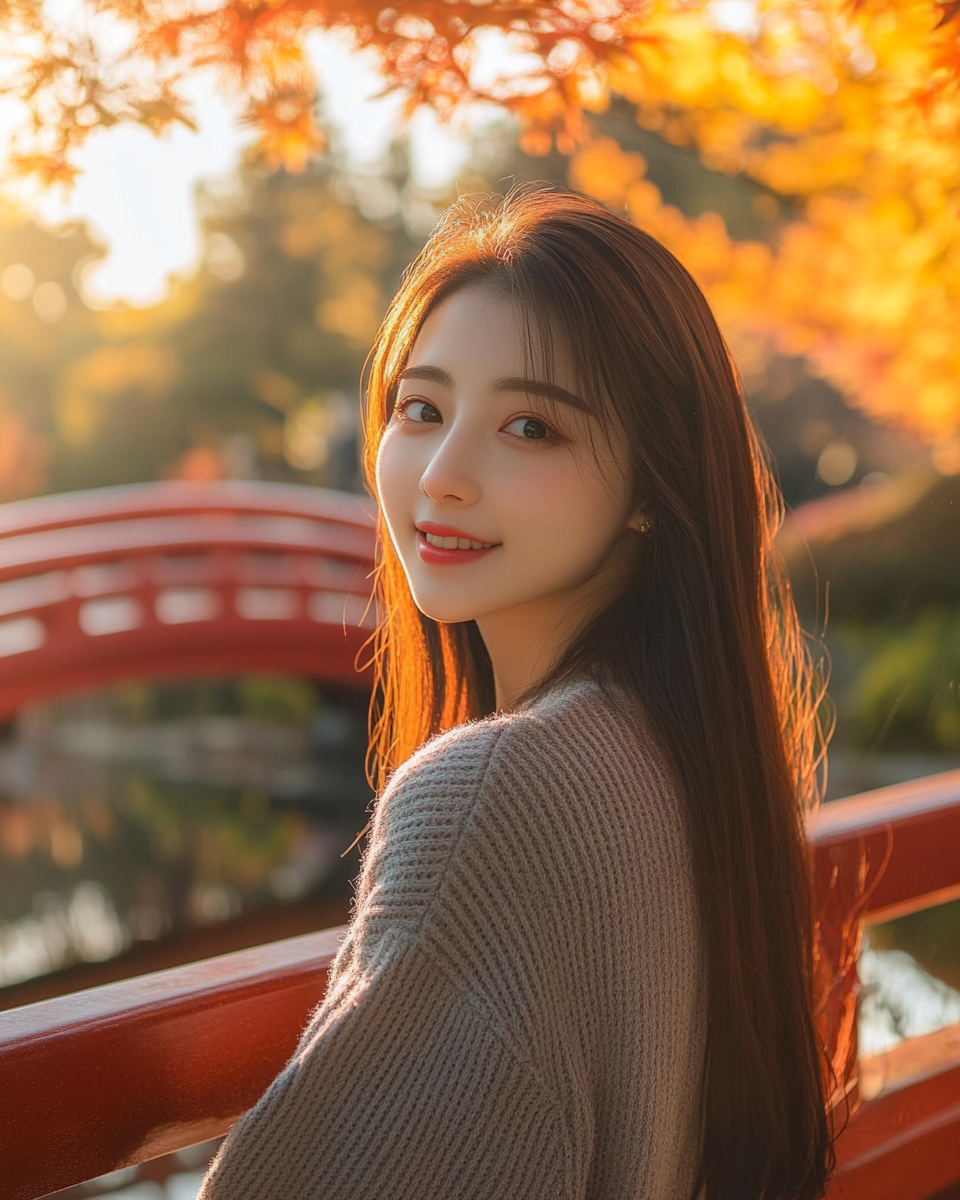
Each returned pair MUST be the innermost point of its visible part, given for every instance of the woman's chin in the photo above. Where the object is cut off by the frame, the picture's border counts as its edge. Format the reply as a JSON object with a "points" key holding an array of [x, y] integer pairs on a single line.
{"points": [[447, 614], [454, 605]]}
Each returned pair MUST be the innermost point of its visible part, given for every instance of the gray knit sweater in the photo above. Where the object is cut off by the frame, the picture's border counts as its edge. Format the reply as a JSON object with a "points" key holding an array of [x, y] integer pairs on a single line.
{"points": [[518, 1009]]}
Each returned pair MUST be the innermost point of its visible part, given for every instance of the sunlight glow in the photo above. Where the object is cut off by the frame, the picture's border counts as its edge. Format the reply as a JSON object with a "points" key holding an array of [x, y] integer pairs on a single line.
{"points": [[136, 191]]}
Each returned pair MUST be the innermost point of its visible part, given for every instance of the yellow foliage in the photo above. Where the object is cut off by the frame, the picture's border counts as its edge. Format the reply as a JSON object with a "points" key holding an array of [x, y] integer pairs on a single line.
{"points": [[106, 373], [355, 312], [847, 109], [603, 170], [859, 124], [859, 287], [289, 134]]}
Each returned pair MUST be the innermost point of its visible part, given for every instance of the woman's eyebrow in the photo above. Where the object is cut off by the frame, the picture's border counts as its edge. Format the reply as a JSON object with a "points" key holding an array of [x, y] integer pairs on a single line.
{"points": [[510, 383], [537, 387], [430, 374]]}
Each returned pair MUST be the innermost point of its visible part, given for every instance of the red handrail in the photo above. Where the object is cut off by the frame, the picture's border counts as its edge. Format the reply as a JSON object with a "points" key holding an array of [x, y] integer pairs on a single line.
{"points": [[118, 1074], [884, 854], [908, 835]]}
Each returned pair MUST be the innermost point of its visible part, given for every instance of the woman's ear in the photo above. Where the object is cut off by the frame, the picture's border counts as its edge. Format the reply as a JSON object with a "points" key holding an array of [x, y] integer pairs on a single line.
{"points": [[642, 522]]}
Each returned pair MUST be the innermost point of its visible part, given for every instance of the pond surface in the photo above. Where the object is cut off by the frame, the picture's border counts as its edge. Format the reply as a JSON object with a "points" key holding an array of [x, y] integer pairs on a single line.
{"points": [[132, 814]]}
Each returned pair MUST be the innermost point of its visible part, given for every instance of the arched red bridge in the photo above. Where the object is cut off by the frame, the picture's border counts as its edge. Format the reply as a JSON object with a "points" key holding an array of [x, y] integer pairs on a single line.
{"points": [[188, 579], [181, 579]]}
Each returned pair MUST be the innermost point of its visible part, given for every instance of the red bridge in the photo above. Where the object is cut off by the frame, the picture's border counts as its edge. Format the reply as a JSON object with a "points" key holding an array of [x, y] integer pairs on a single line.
{"points": [[174, 579], [187, 579]]}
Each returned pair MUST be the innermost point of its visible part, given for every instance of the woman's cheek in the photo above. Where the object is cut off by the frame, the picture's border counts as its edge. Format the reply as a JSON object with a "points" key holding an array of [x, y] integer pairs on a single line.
{"points": [[394, 475], [570, 520], [550, 499]]}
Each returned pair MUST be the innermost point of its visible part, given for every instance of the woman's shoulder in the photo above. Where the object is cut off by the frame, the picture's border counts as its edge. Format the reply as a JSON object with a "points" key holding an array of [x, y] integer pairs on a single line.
{"points": [[581, 753], [515, 818], [578, 722]]}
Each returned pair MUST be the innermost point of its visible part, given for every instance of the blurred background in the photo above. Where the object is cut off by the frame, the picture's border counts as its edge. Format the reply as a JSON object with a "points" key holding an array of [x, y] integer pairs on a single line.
{"points": [[188, 293]]}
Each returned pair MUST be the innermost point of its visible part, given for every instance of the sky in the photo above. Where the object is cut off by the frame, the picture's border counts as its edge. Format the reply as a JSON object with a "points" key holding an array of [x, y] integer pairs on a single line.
{"points": [[136, 191]]}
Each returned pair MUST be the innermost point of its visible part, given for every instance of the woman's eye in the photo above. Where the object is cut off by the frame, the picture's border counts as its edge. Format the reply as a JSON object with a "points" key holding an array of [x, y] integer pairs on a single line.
{"points": [[420, 412], [530, 429]]}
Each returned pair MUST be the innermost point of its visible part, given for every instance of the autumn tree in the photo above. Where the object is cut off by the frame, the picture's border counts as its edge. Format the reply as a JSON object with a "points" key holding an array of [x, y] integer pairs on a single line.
{"points": [[44, 327], [845, 112], [248, 367], [273, 339]]}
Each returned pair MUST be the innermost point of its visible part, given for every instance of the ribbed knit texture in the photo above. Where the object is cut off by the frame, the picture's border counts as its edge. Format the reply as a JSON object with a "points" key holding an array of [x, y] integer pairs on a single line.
{"points": [[518, 1010]]}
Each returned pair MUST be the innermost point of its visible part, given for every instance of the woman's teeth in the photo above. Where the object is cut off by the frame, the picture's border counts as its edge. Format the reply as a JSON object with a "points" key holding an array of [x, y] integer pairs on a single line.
{"points": [[456, 543]]}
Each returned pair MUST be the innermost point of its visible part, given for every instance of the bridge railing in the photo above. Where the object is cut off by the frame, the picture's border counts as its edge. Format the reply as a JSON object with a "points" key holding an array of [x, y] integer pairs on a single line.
{"points": [[878, 856], [119, 1074], [181, 579]]}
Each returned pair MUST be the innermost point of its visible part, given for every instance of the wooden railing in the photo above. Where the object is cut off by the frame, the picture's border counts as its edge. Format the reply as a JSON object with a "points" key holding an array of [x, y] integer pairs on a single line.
{"points": [[118, 1074], [885, 854], [181, 579]]}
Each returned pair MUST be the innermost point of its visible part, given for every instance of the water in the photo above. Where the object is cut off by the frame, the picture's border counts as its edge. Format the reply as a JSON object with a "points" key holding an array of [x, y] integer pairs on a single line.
{"points": [[173, 1177], [135, 814]]}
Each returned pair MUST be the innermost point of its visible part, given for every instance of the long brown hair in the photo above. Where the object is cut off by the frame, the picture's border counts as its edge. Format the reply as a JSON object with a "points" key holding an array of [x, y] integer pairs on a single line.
{"points": [[706, 637]]}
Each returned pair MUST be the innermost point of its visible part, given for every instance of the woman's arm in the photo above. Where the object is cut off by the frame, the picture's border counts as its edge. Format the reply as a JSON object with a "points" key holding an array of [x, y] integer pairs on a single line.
{"points": [[408, 1083], [401, 1089]]}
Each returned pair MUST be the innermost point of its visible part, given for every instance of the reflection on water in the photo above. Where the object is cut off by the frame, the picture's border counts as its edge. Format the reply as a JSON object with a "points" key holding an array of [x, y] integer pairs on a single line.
{"points": [[184, 1186], [900, 1000], [133, 812], [83, 927], [910, 973], [174, 1176]]}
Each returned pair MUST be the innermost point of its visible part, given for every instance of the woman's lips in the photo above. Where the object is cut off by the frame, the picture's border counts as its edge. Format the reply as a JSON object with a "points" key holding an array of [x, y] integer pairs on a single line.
{"points": [[440, 556]]}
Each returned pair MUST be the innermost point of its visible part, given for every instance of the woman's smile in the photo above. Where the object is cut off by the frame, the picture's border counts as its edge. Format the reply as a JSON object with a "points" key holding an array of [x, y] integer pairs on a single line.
{"points": [[444, 545]]}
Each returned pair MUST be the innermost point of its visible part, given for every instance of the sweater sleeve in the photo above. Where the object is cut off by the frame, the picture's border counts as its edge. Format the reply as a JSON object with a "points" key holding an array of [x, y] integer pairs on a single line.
{"points": [[400, 1091], [405, 1086]]}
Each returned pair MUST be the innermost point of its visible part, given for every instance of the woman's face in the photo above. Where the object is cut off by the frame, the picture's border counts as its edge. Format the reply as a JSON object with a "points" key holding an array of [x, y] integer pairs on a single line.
{"points": [[494, 493]]}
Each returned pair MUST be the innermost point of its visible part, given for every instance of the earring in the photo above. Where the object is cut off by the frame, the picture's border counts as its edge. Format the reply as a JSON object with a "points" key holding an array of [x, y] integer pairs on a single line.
{"points": [[646, 527]]}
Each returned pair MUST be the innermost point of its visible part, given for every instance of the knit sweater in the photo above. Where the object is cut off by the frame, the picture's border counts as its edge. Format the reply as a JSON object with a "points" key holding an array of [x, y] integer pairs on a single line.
{"points": [[518, 1008]]}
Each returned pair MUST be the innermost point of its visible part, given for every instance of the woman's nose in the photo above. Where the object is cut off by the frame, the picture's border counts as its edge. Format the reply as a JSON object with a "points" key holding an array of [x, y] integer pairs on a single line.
{"points": [[451, 472]]}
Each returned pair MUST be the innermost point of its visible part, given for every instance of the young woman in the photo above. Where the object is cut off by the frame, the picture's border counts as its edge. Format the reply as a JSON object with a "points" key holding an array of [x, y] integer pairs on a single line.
{"points": [[580, 960]]}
